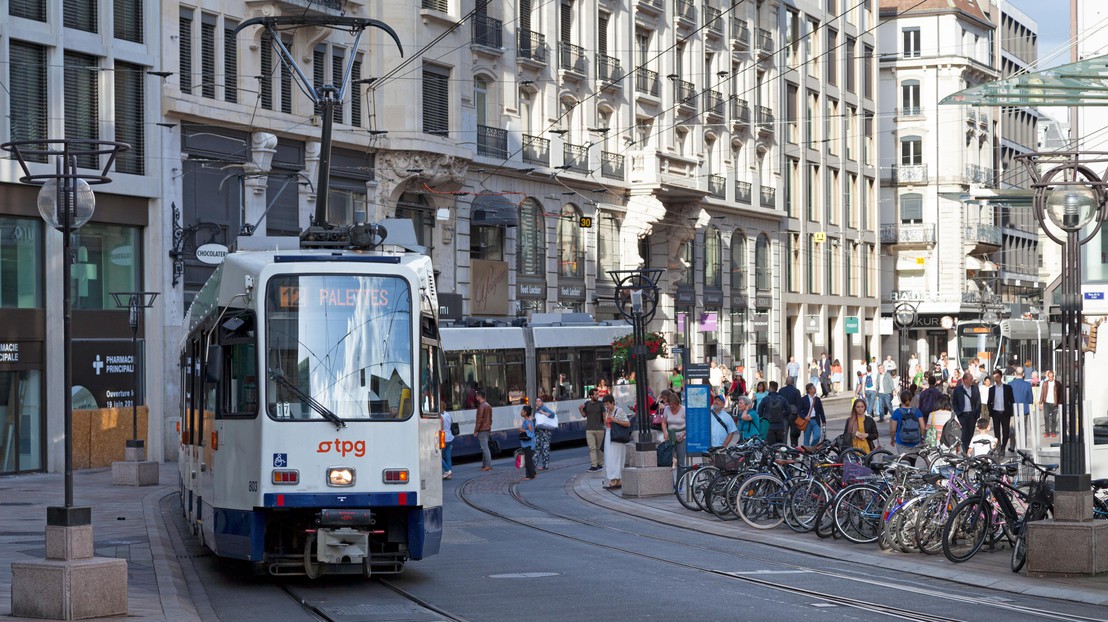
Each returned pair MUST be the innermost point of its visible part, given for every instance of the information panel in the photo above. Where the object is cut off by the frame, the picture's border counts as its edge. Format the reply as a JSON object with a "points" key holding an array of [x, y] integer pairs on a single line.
{"points": [[698, 431]]}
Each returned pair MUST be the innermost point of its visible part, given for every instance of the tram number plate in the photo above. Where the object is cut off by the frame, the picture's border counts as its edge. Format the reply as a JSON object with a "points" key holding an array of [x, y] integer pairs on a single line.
{"points": [[284, 410]]}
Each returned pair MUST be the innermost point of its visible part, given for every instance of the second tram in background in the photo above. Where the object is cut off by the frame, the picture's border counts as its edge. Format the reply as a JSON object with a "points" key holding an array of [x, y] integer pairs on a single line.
{"points": [[1007, 343], [554, 356]]}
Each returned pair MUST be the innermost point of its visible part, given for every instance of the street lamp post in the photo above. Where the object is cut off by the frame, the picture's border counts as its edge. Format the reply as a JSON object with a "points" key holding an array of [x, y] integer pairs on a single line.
{"points": [[134, 302], [1069, 201], [42, 589], [637, 300], [905, 317]]}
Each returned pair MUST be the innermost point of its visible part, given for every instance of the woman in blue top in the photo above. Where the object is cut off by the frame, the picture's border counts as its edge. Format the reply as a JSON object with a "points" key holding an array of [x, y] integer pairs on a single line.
{"points": [[527, 441], [760, 394]]}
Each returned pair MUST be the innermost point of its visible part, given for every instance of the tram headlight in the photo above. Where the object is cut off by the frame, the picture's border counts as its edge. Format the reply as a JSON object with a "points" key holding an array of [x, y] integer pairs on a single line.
{"points": [[340, 476]]}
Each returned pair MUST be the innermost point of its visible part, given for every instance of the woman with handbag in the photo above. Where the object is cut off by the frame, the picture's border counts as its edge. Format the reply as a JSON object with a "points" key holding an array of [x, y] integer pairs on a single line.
{"points": [[673, 428], [546, 421], [617, 426], [527, 441]]}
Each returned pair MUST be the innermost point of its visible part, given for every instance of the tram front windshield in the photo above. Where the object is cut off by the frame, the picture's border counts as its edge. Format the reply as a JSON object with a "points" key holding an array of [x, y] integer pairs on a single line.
{"points": [[978, 342], [343, 341]]}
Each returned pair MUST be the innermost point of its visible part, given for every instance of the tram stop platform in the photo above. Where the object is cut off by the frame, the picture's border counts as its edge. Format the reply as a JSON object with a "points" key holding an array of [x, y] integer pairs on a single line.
{"points": [[984, 570]]}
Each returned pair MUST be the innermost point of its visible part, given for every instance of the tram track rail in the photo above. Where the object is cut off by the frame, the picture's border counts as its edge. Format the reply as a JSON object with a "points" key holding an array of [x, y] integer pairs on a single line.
{"points": [[330, 613], [822, 596]]}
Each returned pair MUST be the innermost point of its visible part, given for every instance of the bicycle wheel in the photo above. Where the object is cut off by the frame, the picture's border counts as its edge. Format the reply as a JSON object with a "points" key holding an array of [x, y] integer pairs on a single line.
{"points": [[1019, 550], [806, 498], [966, 529], [929, 523], [684, 490], [715, 498], [704, 476], [904, 532], [858, 512], [761, 501], [825, 523], [852, 455]]}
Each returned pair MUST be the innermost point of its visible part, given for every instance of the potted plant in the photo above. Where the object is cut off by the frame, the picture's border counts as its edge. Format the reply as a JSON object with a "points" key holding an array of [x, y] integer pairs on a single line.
{"points": [[621, 349]]}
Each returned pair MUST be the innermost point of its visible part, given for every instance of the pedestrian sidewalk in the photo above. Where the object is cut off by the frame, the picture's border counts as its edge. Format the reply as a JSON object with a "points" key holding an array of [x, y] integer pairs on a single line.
{"points": [[127, 523], [984, 570]]}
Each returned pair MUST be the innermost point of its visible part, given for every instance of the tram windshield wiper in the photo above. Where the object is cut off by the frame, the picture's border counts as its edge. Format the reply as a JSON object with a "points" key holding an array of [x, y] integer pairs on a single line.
{"points": [[280, 379]]}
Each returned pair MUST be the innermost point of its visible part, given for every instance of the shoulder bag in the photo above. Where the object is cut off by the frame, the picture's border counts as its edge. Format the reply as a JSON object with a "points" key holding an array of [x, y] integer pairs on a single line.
{"points": [[620, 434]]}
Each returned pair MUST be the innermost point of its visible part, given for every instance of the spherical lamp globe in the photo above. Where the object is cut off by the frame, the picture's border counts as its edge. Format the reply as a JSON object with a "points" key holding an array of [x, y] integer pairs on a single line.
{"points": [[1071, 207], [51, 203]]}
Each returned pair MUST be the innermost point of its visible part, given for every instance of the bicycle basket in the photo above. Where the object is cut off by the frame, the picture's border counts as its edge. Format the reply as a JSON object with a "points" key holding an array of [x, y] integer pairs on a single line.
{"points": [[726, 462], [854, 472]]}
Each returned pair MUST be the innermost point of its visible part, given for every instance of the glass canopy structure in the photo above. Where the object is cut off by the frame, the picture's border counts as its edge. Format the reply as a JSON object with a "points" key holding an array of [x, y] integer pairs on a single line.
{"points": [[1084, 83]]}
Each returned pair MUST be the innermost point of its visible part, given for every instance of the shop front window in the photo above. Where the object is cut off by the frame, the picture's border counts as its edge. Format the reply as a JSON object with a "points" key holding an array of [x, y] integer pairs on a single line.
{"points": [[20, 263], [571, 261], [20, 421], [107, 259]]}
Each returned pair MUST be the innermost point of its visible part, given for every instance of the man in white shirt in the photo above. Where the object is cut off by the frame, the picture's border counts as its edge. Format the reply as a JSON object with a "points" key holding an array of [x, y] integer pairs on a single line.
{"points": [[1050, 395], [793, 368], [889, 363]]}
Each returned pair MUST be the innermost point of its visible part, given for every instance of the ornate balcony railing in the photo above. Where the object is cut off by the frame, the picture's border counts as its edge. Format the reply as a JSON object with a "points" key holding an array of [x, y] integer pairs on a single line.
{"points": [[575, 158], [488, 31], [909, 111], [713, 103], [765, 40], [978, 174], [983, 119], [492, 141], [611, 165], [764, 119], [908, 233], [655, 4], [572, 58], [910, 173], [684, 93], [971, 116], [983, 233], [717, 186], [769, 197], [740, 112], [536, 150], [683, 9], [646, 82], [742, 192], [532, 46], [740, 32], [607, 68], [712, 20]]}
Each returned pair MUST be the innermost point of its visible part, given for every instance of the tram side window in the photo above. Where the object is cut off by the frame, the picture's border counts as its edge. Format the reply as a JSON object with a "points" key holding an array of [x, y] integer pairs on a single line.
{"points": [[430, 380], [499, 374], [239, 385], [515, 376], [596, 364], [457, 386], [559, 374]]}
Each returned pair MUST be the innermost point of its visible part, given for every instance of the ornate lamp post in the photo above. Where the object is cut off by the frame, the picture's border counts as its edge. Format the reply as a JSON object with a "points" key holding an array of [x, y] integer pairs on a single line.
{"points": [[637, 300], [904, 316], [133, 302], [1069, 196], [41, 589]]}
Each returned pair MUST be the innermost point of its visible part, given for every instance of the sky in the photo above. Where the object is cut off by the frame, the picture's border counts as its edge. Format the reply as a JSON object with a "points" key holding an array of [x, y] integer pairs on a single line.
{"points": [[1053, 18]]}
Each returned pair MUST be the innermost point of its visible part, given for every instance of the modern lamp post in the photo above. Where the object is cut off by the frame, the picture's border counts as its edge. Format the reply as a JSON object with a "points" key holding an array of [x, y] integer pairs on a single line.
{"points": [[42, 589], [134, 302]]}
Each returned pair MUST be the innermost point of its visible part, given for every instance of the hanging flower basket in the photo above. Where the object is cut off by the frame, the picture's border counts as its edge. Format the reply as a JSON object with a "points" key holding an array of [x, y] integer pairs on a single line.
{"points": [[621, 349]]}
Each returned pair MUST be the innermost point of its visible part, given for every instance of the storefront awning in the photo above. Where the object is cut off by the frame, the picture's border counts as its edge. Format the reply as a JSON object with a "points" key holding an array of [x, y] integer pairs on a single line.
{"points": [[1084, 83], [494, 210]]}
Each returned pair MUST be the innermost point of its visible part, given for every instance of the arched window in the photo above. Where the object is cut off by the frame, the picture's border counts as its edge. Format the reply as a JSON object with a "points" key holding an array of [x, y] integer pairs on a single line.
{"points": [[607, 247], [531, 240], [738, 262], [571, 261], [713, 258], [762, 278], [414, 205]]}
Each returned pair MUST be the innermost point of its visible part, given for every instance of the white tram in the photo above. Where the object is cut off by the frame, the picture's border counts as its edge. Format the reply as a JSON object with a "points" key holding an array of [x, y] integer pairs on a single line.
{"points": [[556, 356], [310, 434]]}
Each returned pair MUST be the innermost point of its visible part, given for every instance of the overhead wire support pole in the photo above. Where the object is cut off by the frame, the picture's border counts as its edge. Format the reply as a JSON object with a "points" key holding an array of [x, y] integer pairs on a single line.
{"points": [[327, 97]]}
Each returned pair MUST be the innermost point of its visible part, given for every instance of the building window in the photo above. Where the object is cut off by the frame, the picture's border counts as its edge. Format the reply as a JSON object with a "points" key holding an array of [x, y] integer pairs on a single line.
{"points": [[436, 100], [107, 259], [82, 78], [230, 62], [792, 263], [867, 72], [911, 151], [832, 57], [414, 206], [127, 16], [713, 258], [848, 269], [687, 261], [356, 92], [910, 40], [812, 193], [486, 243], [813, 272], [644, 251], [184, 41], [738, 262], [762, 275], [911, 207], [571, 261], [130, 125], [21, 263], [849, 68], [607, 247], [80, 14], [531, 240], [28, 9], [207, 55], [909, 98], [276, 78], [27, 63]]}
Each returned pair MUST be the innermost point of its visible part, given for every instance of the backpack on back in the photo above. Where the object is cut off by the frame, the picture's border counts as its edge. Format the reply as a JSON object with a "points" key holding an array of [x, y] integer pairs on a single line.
{"points": [[908, 431], [774, 409], [927, 401], [869, 381]]}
